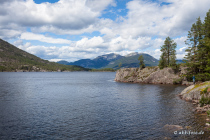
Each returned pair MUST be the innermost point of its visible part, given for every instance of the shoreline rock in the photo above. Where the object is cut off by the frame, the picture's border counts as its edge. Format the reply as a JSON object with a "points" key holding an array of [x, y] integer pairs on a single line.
{"points": [[193, 94], [151, 75]]}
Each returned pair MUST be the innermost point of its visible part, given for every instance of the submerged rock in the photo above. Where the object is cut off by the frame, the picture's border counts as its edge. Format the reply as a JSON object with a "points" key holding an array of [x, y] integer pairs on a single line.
{"points": [[172, 128]]}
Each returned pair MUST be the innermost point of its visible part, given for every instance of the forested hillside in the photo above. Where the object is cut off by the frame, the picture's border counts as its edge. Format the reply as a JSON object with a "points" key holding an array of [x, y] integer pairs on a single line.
{"points": [[15, 59]]}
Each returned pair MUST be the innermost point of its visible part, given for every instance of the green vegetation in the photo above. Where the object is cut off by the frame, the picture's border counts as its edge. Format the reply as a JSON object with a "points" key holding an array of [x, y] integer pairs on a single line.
{"points": [[141, 61], [14, 59], [177, 81], [198, 86], [168, 56], [208, 112], [205, 99], [198, 53]]}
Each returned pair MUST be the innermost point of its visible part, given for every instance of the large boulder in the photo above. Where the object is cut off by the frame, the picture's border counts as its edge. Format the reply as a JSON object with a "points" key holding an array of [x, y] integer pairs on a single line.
{"points": [[193, 92]]}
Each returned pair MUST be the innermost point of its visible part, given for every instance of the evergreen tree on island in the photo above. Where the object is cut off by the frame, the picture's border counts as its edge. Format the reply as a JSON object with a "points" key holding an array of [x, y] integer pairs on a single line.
{"points": [[168, 56], [194, 51], [206, 43], [141, 61], [198, 53], [162, 62]]}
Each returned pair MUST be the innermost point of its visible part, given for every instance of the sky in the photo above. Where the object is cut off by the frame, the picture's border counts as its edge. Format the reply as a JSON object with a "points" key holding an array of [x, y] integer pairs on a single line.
{"points": [[84, 29]]}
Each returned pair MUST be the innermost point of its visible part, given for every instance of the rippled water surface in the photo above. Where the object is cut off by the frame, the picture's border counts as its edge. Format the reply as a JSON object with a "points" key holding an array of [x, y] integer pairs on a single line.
{"points": [[90, 105]]}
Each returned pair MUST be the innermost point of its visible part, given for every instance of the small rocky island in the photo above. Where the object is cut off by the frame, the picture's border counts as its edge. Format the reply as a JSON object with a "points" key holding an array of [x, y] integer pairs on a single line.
{"points": [[152, 75]]}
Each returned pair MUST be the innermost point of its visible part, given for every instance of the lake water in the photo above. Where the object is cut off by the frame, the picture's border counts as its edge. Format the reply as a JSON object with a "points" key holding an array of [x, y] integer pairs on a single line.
{"points": [[90, 105]]}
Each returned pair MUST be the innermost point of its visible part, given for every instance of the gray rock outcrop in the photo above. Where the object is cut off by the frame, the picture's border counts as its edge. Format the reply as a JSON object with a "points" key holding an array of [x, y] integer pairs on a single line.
{"points": [[148, 75], [193, 92]]}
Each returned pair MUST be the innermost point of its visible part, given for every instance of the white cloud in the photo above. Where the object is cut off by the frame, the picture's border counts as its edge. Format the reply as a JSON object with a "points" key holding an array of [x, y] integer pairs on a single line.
{"points": [[55, 60], [71, 15], [156, 53], [143, 29], [131, 44], [21, 45], [109, 33], [181, 41], [9, 33], [146, 18], [87, 43], [42, 38], [84, 48]]}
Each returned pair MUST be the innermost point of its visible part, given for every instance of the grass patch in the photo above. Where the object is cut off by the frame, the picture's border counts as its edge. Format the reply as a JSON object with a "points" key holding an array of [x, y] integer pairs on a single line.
{"points": [[199, 85], [126, 77], [205, 99]]}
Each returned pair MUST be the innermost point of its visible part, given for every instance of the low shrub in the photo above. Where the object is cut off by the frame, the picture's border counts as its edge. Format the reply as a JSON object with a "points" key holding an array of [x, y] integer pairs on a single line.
{"points": [[204, 100], [208, 112], [2, 68], [176, 68], [177, 81]]}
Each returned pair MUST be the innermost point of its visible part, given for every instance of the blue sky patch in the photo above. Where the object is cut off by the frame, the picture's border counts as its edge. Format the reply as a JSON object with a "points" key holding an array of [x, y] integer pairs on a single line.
{"points": [[42, 1]]}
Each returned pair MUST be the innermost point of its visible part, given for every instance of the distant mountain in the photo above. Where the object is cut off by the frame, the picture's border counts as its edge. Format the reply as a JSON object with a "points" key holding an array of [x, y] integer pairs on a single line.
{"points": [[131, 60], [97, 63], [15, 59], [63, 62], [113, 60], [178, 61], [86, 63]]}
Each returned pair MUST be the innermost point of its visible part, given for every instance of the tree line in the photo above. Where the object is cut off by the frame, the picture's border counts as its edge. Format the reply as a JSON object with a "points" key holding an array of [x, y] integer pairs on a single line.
{"points": [[168, 56], [197, 59], [198, 53]]}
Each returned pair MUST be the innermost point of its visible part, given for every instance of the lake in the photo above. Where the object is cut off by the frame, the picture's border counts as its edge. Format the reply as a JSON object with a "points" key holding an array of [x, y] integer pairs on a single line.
{"points": [[90, 105]]}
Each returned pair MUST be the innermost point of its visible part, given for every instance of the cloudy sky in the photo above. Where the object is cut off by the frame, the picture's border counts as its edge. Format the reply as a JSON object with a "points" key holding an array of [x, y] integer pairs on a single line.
{"points": [[78, 29]]}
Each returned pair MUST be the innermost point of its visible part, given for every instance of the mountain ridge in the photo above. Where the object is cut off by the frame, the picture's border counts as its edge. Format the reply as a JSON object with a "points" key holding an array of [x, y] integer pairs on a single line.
{"points": [[113, 60]]}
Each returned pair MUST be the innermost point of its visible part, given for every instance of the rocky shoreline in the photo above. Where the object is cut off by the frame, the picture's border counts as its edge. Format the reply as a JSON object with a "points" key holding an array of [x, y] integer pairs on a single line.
{"points": [[194, 94], [152, 75]]}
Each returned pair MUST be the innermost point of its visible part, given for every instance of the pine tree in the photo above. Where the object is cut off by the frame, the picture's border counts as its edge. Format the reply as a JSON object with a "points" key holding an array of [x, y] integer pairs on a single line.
{"points": [[192, 51], [198, 53], [206, 42], [168, 56], [162, 62], [141, 61]]}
